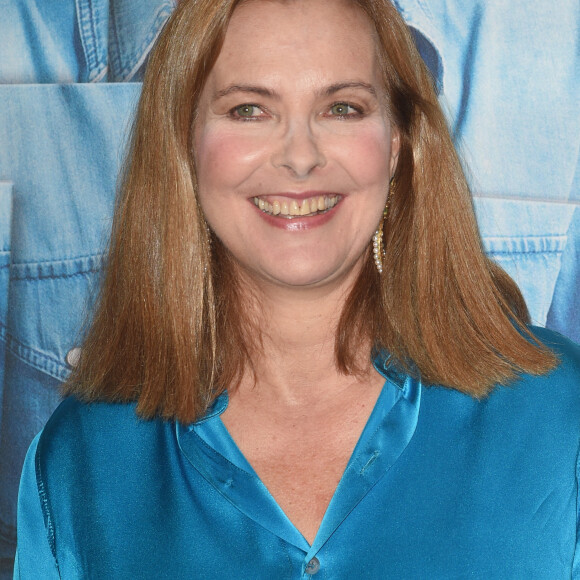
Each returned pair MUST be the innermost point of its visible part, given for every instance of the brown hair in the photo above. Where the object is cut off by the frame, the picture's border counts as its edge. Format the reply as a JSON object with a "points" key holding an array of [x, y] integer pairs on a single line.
{"points": [[168, 332]]}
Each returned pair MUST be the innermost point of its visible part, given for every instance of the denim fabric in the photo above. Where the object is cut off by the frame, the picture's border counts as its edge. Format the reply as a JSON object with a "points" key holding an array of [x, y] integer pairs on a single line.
{"points": [[509, 79], [564, 311], [63, 167], [528, 240], [78, 41]]}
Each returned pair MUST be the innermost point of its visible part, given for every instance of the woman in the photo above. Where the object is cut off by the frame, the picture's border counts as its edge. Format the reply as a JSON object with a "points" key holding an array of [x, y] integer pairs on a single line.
{"points": [[252, 398]]}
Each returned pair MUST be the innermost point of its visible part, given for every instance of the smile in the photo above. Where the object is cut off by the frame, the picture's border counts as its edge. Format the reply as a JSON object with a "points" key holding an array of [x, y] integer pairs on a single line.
{"points": [[294, 208]]}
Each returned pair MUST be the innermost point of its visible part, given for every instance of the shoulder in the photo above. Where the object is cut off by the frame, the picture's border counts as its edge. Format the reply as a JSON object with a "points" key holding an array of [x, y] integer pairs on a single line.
{"points": [[565, 377], [567, 350], [99, 466], [87, 438], [74, 421], [551, 399]]}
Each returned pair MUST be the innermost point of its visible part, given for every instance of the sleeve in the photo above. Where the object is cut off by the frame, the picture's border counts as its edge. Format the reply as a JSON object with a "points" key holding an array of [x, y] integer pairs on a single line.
{"points": [[576, 563], [34, 557]]}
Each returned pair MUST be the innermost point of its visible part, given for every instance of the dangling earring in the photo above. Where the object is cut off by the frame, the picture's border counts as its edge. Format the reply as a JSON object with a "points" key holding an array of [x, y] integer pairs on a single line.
{"points": [[378, 244]]}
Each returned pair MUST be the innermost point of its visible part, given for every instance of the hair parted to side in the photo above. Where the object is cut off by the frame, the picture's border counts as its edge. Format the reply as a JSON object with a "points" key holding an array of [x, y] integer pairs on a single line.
{"points": [[168, 332]]}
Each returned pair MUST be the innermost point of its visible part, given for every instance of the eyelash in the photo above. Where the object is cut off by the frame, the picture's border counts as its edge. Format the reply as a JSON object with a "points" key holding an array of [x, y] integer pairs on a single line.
{"points": [[234, 112], [358, 111]]}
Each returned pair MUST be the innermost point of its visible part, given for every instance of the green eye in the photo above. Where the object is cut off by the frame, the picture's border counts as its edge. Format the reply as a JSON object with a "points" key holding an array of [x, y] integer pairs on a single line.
{"points": [[246, 110], [341, 109]]}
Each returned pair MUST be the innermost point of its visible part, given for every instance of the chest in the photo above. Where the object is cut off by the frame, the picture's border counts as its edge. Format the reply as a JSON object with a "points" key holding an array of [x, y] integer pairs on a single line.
{"points": [[300, 461], [439, 510]]}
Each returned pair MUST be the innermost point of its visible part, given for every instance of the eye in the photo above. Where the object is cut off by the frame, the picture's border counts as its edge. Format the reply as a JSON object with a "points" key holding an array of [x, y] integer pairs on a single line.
{"points": [[246, 111], [344, 110]]}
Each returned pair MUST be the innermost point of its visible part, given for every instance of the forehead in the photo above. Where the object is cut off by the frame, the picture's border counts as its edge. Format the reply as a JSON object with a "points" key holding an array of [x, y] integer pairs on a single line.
{"points": [[296, 38]]}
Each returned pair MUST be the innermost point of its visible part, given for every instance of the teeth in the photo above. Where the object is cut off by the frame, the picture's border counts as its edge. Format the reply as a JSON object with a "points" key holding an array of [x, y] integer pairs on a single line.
{"points": [[293, 208]]}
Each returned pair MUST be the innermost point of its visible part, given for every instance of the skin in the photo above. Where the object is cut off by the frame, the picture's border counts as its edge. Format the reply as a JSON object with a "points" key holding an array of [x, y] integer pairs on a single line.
{"points": [[294, 108], [294, 142]]}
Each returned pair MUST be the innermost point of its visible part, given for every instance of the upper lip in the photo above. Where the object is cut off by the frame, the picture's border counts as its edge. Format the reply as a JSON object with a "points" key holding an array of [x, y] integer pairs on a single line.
{"points": [[299, 196]]}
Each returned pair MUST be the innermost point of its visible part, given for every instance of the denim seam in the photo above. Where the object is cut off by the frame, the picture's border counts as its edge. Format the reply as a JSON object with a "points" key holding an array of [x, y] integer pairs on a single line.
{"points": [[127, 69], [521, 252], [72, 259], [94, 265], [35, 358], [89, 38], [41, 277]]}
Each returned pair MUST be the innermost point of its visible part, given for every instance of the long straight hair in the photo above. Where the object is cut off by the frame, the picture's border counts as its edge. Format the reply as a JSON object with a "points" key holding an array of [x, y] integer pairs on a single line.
{"points": [[168, 331]]}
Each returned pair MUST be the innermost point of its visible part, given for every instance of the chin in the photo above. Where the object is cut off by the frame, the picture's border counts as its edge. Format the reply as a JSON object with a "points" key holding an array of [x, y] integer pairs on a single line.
{"points": [[312, 276]]}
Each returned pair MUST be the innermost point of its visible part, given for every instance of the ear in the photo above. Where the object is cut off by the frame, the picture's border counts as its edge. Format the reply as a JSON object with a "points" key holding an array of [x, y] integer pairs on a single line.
{"points": [[395, 148]]}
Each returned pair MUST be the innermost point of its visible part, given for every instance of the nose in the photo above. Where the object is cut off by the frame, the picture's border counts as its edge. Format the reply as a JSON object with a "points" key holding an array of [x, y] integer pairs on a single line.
{"points": [[298, 150]]}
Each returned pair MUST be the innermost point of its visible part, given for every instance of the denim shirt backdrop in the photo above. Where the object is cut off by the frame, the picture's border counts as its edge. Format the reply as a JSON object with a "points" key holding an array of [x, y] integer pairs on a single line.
{"points": [[78, 41], [509, 76], [66, 106], [511, 102]]}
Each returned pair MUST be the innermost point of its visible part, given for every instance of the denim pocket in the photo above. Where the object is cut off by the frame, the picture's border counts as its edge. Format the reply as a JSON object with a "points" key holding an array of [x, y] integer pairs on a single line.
{"points": [[527, 239]]}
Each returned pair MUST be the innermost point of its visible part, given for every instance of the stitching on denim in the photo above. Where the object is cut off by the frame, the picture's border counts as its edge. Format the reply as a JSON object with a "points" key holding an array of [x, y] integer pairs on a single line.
{"points": [[515, 253], [129, 68], [100, 256], [94, 264], [89, 40], [94, 36], [35, 358], [86, 41], [522, 245], [38, 278]]}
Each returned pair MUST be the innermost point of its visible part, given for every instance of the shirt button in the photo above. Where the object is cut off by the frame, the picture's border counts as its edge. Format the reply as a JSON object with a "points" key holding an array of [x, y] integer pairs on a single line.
{"points": [[73, 356], [313, 566]]}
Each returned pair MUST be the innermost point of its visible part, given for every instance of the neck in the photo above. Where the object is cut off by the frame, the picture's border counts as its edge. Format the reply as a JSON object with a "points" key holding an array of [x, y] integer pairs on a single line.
{"points": [[296, 362]]}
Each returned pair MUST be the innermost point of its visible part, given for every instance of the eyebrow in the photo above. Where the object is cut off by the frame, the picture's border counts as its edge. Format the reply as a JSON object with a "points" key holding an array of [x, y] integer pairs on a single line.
{"points": [[253, 89], [265, 92], [335, 88]]}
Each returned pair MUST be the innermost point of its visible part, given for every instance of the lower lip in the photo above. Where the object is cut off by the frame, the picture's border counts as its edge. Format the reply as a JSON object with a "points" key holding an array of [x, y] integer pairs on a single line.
{"points": [[298, 223]]}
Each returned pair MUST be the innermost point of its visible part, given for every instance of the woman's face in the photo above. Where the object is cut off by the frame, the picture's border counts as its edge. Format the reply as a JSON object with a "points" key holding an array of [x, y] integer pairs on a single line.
{"points": [[293, 147]]}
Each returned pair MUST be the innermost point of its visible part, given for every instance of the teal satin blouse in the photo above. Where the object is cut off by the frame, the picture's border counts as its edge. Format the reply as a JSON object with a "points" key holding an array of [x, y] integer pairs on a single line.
{"points": [[440, 485]]}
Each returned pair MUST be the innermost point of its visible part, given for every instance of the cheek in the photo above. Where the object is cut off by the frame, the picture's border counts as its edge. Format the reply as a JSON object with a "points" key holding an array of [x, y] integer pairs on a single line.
{"points": [[224, 159], [366, 156]]}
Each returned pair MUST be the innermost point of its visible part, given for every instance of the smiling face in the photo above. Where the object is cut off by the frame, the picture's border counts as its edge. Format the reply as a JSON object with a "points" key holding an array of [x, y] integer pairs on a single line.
{"points": [[293, 147]]}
